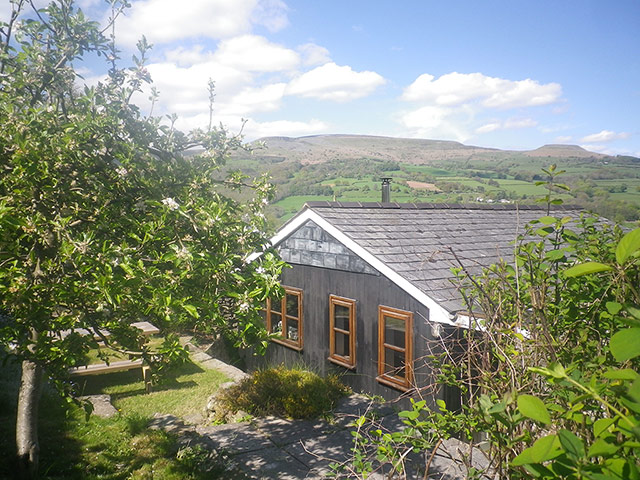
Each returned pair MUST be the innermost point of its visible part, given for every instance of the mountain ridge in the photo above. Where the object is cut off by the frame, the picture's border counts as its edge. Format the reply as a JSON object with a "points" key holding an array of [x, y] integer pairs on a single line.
{"points": [[322, 148]]}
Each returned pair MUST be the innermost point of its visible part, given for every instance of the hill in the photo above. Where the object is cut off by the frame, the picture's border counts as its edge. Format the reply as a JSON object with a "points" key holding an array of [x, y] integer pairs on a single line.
{"points": [[349, 167], [323, 148]]}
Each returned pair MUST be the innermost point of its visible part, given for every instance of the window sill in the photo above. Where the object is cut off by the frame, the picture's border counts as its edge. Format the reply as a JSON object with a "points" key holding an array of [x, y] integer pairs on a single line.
{"points": [[288, 344], [342, 363], [390, 382]]}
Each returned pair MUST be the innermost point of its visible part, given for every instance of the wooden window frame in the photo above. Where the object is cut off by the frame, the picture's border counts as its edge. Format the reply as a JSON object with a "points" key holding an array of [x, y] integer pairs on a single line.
{"points": [[283, 317], [350, 361], [405, 382]]}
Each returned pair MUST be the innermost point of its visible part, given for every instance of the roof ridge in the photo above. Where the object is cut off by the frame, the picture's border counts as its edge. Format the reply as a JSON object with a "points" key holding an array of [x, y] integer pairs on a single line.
{"points": [[435, 206]]}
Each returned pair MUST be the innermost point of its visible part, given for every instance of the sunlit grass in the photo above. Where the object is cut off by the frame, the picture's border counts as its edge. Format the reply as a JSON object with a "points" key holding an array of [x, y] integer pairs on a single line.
{"points": [[121, 447], [181, 393]]}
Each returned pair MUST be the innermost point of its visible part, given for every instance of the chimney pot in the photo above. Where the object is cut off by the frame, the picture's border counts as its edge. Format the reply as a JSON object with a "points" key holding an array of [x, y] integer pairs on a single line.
{"points": [[386, 189]]}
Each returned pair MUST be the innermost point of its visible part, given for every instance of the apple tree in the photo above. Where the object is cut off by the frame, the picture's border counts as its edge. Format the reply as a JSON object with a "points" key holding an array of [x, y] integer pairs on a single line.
{"points": [[109, 216]]}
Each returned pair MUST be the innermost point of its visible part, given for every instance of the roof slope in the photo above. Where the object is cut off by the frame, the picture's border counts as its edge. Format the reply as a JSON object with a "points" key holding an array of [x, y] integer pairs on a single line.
{"points": [[418, 241]]}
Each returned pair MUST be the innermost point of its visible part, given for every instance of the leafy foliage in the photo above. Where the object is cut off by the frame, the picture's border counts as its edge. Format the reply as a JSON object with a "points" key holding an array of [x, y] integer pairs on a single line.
{"points": [[108, 216], [293, 393], [549, 376]]}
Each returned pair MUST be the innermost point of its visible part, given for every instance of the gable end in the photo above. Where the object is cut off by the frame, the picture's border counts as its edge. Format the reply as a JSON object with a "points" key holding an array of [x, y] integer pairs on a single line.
{"points": [[311, 245]]}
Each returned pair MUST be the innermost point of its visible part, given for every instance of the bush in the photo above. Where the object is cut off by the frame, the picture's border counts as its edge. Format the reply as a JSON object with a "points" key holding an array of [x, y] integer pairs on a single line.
{"points": [[284, 392]]}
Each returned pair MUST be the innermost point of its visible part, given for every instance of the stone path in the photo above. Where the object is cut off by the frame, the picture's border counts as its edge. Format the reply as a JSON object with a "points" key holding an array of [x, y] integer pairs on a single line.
{"points": [[276, 448]]}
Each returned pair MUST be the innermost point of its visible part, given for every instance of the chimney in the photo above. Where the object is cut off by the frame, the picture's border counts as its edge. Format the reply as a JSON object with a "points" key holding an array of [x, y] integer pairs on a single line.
{"points": [[386, 190]]}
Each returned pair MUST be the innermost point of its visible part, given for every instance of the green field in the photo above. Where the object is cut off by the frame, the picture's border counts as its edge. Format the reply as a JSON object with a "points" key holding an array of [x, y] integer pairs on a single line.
{"points": [[609, 186]]}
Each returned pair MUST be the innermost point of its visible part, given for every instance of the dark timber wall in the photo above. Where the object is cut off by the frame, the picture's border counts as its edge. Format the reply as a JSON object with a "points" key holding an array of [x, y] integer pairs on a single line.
{"points": [[307, 250]]}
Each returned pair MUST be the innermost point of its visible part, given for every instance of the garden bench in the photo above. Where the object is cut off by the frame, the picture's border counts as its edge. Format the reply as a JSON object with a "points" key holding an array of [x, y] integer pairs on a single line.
{"points": [[120, 365]]}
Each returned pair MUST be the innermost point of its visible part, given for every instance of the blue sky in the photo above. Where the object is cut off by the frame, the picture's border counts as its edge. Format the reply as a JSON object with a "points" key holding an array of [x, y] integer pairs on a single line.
{"points": [[508, 74]]}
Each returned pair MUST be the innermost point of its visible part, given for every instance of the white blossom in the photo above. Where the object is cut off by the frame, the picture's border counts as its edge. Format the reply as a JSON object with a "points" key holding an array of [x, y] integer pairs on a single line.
{"points": [[122, 171], [260, 270], [171, 203], [183, 253]]}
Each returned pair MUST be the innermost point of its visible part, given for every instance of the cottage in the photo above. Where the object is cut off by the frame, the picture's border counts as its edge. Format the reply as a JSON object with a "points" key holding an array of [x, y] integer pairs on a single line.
{"points": [[370, 291]]}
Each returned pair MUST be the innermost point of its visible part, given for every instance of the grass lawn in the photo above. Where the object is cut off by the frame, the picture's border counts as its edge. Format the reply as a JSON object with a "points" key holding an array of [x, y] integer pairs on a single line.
{"points": [[182, 393], [120, 447]]}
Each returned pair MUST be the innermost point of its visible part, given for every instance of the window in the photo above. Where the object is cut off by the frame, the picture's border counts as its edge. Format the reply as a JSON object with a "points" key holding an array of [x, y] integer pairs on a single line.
{"points": [[342, 331], [395, 347], [284, 317]]}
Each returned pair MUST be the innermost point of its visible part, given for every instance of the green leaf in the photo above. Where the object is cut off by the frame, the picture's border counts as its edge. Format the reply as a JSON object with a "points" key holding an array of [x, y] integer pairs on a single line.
{"points": [[625, 344], [602, 425], [533, 408], [554, 370], [571, 444], [548, 220], [628, 246], [586, 269], [634, 390], [544, 449], [410, 414], [613, 307], [602, 448], [621, 374], [497, 408], [634, 312], [555, 255], [191, 310]]}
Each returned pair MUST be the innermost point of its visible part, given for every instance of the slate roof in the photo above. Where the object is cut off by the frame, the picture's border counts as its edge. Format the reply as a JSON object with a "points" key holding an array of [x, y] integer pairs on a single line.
{"points": [[416, 240]]}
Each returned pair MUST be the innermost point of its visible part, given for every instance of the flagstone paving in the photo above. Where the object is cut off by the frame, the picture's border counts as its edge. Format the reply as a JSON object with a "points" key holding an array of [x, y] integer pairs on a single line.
{"points": [[276, 448]]}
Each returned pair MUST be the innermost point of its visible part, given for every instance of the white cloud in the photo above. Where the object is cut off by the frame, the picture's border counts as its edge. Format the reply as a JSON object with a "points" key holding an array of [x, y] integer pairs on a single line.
{"points": [[435, 122], [184, 90], [604, 136], [255, 99], [284, 128], [489, 127], [164, 21], [491, 92], [334, 82], [185, 56], [313, 54], [598, 148], [253, 53], [508, 124], [271, 14]]}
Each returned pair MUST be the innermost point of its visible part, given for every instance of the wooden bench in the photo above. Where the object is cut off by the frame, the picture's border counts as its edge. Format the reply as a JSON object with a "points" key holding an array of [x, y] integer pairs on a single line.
{"points": [[148, 329], [119, 366]]}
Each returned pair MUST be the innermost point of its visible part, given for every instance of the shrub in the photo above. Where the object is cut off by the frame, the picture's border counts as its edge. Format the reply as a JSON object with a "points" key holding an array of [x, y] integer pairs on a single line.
{"points": [[285, 392]]}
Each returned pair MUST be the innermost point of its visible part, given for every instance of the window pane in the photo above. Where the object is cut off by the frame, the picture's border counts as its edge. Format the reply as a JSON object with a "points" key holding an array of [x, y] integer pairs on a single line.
{"points": [[394, 331], [276, 305], [276, 324], [342, 344], [292, 329], [341, 317], [394, 362], [292, 305]]}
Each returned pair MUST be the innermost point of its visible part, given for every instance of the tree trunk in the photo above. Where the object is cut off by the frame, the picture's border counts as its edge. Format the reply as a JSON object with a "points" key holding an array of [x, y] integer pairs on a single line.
{"points": [[27, 420]]}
